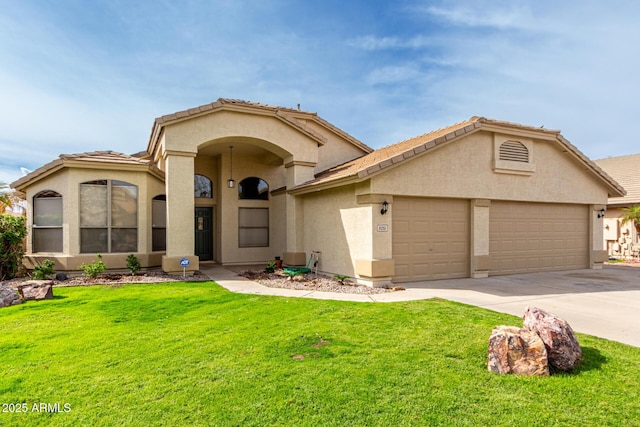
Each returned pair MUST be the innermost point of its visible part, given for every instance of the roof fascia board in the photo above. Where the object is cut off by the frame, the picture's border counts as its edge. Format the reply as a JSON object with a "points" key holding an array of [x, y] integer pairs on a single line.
{"points": [[615, 189], [544, 134], [21, 183], [311, 188]]}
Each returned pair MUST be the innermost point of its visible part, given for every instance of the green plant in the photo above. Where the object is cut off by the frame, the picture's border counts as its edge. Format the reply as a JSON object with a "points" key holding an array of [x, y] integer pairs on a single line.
{"points": [[115, 354], [631, 214], [12, 232], [271, 267], [133, 264], [93, 269], [44, 270], [341, 279]]}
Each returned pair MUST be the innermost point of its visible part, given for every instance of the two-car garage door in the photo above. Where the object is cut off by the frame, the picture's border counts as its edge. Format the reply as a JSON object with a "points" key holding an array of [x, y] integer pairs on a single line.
{"points": [[431, 238], [527, 237]]}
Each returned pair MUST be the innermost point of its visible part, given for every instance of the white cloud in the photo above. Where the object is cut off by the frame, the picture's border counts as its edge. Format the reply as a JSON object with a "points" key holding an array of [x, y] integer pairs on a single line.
{"points": [[500, 15], [372, 43]]}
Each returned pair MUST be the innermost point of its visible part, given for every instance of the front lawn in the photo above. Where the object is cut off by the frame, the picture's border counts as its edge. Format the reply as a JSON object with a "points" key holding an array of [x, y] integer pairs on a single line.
{"points": [[193, 354]]}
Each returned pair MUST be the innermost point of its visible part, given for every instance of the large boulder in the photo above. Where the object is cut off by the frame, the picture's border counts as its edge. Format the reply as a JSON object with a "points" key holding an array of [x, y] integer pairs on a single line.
{"points": [[8, 296], [562, 345], [36, 290], [518, 351]]}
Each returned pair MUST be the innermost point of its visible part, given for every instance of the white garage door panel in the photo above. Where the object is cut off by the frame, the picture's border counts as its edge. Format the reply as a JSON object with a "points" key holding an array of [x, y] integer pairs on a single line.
{"points": [[527, 237], [430, 239]]}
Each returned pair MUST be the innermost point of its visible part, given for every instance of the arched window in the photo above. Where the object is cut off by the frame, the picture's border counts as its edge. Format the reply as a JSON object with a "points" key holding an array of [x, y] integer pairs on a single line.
{"points": [[253, 188], [47, 222], [202, 186], [159, 223], [108, 216]]}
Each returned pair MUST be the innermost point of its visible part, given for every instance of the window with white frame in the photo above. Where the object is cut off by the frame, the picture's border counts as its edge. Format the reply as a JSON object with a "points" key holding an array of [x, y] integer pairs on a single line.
{"points": [[253, 227], [108, 217], [47, 222]]}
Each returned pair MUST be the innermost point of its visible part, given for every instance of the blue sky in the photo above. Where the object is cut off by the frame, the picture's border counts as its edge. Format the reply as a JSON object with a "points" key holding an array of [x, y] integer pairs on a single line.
{"points": [[92, 75]]}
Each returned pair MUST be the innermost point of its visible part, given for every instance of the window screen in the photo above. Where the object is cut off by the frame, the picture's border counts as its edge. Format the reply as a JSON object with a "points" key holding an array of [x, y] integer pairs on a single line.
{"points": [[253, 227]]}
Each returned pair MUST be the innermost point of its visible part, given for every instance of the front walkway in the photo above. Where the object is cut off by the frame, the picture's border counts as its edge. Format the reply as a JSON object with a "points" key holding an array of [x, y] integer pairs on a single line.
{"points": [[603, 303]]}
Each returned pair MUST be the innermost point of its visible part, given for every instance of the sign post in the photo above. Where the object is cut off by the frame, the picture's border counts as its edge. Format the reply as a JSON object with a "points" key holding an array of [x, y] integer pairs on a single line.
{"points": [[184, 263]]}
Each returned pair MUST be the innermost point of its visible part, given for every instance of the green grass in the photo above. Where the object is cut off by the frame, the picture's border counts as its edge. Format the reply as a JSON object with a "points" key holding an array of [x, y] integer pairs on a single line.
{"points": [[193, 354]]}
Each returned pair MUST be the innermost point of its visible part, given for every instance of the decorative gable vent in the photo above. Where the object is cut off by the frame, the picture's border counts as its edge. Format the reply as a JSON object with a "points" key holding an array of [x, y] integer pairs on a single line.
{"points": [[514, 151]]}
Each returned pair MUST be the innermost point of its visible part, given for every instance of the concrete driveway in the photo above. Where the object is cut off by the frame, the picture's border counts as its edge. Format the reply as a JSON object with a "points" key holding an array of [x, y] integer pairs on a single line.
{"points": [[604, 303]]}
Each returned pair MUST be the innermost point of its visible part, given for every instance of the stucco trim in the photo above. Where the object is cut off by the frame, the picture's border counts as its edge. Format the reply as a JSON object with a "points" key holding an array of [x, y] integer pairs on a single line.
{"points": [[288, 116], [299, 163]]}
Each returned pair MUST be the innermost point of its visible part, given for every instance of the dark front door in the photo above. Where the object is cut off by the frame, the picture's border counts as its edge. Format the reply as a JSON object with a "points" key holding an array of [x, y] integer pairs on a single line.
{"points": [[204, 233]]}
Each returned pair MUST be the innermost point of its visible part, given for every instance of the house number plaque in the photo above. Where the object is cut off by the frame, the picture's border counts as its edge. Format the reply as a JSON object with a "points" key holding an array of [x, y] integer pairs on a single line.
{"points": [[200, 223], [383, 227]]}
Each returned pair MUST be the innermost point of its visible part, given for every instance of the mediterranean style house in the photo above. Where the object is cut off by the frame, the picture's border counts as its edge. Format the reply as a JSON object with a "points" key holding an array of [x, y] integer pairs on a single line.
{"points": [[622, 240], [238, 182]]}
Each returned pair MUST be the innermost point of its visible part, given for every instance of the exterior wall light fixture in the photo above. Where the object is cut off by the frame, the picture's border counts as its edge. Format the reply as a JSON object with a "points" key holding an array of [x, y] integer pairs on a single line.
{"points": [[385, 208], [230, 182], [601, 212]]}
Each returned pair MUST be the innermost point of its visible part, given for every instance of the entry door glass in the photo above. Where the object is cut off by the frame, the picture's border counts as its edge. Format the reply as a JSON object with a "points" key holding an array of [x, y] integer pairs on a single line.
{"points": [[203, 225]]}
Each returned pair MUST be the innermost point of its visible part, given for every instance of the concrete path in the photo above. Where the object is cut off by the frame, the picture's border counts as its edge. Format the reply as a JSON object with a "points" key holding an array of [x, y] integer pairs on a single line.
{"points": [[604, 303]]}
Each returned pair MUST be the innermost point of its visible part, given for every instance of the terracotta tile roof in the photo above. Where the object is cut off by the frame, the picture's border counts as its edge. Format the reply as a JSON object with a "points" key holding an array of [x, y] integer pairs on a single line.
{"points": [[383, 158], [625, 170], [105, 156], [95, 157], [289, 115], [392, 154]]}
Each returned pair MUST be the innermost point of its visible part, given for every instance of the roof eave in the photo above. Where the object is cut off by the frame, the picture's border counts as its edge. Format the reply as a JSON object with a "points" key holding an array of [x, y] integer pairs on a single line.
{"points": [[312, 187], [614, 189]]}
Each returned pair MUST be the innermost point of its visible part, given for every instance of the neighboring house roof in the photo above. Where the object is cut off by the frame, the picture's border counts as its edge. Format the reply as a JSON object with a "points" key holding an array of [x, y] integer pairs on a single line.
{"points": [[290, 116], [625, 170], [363, 167], [95, 160]]}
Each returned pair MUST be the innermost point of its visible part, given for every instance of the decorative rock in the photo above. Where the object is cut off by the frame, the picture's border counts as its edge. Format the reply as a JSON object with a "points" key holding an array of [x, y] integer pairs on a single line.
{"points": [[61, 277], [36, 290], [518, 351], [562, 346], [8, 296]]}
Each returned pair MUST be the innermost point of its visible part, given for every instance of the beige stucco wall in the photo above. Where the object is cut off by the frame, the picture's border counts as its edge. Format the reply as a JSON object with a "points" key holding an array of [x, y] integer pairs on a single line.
{"points": [[264, 131], [338, 227], [345, 223], [463, 169], [67, 182], [275, 177]]}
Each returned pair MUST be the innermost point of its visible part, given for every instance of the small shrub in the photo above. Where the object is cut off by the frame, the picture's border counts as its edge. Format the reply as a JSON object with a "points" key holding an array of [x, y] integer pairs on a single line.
{"points": [[341, 279], [133, 264], [44, 270], [12, 231], [93, 269], [271, 267]]}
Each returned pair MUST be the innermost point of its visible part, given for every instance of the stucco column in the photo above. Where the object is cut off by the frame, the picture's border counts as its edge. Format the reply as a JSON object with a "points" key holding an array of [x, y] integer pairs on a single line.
{"points": [[180, 211], [480, 256], [297, 173], [598, 253], [378, 267]]}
